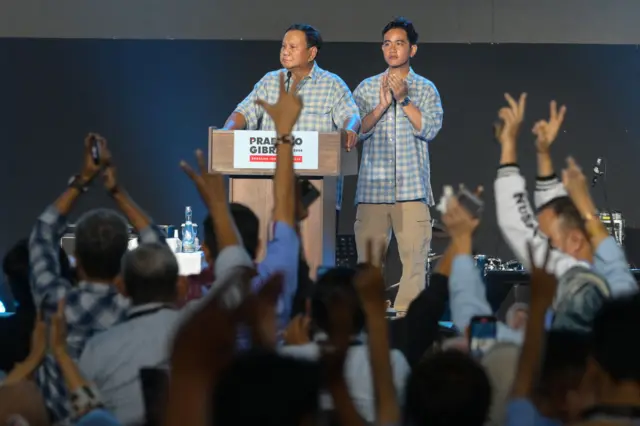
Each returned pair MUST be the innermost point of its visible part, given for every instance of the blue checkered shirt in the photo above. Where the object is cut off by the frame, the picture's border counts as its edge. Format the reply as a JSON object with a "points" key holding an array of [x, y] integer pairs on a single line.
{"points": [[89, 307], [395, 156], [327, 101]]}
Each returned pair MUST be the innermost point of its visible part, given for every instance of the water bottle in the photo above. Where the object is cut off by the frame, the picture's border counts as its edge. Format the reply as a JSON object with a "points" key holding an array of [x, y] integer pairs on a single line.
{"points": [[188, 234]]}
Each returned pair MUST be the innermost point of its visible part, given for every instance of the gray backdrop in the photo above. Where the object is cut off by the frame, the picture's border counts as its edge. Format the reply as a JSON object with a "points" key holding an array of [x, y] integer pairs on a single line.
{"points": [[441, 21]]}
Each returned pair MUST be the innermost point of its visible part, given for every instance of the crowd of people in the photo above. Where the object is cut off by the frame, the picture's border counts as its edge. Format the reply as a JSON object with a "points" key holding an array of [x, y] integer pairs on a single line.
{"points": [[116, 339]]}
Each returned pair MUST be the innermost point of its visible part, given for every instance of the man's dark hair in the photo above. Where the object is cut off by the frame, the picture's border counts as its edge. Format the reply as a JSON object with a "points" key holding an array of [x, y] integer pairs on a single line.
{"points": [[565, 362], [314, 39], [150, 273], [613, 347], [102, 238], [447, 388], [15, 266], [280, 391], [248, 226], [404, 24], [336, 284], [564, 208]]}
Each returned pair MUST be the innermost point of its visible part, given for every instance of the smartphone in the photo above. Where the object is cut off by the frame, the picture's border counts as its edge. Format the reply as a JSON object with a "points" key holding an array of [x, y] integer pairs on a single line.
{"points": [[308, 192], [470, 202], [95, 150], [483, 332]]}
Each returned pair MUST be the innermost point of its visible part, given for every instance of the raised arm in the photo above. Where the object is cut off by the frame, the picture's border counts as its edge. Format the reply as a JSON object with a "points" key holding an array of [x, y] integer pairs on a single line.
{"points": [[149, 233], [44, 242]]}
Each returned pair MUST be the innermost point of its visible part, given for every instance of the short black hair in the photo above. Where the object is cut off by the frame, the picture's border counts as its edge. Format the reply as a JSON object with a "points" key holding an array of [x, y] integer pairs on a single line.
{"points": [[613, 327], [564, 208], [404, 24], [283, 391], [314, 39], [102, 238], [248, 226], [150, 274], [447, 388], [336, 284], [565, 361], [15, 266]]}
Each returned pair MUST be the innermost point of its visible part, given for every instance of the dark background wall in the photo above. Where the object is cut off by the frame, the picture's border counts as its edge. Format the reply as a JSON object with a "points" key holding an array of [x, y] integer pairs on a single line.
{"points": [[154, 100], [438, 21]]}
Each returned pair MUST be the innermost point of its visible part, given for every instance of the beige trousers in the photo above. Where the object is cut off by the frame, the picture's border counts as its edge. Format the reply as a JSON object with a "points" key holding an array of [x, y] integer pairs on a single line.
{"points": [[410, 221]]}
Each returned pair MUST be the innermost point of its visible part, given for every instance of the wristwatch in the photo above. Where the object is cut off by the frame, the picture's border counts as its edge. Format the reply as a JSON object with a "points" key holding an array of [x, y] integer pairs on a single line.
{"points": [[85, 398], [406, 101], [285, 139], [77, 183]]}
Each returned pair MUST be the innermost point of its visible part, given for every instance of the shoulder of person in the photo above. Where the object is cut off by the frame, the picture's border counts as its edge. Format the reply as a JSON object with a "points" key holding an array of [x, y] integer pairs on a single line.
{"points": [[373, 81], [583, 277], [424, 82]]}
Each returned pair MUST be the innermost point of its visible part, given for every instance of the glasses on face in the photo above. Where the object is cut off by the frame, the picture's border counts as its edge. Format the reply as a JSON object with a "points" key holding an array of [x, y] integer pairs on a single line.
{"points": [[398, 44]]}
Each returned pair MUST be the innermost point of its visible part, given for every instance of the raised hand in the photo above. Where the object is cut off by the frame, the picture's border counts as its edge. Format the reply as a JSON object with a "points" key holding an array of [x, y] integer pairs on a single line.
{"points": [[210, 185], [399, 87], [286, 111], [511, 118], [547, 131], [385, 91], [110, 178], [89, 168]]}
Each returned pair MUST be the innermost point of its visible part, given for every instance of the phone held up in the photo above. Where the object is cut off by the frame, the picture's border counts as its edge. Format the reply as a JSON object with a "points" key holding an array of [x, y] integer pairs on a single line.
{"points": [[308, 192], [95, 150], [483, 332], [471, 202]]}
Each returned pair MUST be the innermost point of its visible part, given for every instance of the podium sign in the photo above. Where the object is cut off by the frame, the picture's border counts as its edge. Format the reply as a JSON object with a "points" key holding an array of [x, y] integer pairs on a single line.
{"points": [[256, 149]]}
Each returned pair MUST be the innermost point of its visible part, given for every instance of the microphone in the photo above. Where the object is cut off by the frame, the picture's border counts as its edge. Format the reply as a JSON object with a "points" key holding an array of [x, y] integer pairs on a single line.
{"points": [[288, 80], [596, 172]]}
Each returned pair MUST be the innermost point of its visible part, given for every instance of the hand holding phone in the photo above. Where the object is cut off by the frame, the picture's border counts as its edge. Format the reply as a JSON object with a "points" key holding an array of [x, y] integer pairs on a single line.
{"points": [[470, 202], [95, 150], [483, 332]]}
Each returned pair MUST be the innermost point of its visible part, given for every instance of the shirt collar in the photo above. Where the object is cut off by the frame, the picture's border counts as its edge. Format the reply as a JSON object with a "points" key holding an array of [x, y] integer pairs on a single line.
{"points": [[145, 307], [410, 77], [313, 75], [100, 288]]}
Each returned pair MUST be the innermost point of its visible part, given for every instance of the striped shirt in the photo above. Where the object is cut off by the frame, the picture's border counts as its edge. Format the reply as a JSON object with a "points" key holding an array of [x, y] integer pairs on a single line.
{"points": [[327, 105], [395, 157]]}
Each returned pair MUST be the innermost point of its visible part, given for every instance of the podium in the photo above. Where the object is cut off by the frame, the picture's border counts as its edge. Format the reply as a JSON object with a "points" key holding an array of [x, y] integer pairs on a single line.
{"points": [[251, 182]]}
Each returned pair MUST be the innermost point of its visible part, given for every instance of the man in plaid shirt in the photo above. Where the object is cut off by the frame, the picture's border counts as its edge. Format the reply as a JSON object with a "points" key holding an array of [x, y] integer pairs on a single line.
{"points": [[101, 239], [328, 105], [401, 114]]}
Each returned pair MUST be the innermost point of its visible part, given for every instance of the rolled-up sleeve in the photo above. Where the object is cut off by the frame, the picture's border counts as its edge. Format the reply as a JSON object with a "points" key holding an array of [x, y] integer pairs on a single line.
{"points": [[611, 262], [251, 112], [361, 97], [344, 107], [467, 293], [430, 107]]}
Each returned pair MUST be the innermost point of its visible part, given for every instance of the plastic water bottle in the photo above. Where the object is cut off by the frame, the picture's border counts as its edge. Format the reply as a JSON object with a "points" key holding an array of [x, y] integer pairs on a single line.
{"points": [[188, 234]]}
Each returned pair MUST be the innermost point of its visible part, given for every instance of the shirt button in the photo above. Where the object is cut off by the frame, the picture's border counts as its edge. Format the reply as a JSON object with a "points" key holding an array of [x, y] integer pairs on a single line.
{"points": [[390, 139]]}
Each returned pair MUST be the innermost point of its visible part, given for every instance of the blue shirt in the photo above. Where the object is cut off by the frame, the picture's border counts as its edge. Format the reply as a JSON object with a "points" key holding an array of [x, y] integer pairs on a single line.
{"points": [[521, 412], [395, 162]]}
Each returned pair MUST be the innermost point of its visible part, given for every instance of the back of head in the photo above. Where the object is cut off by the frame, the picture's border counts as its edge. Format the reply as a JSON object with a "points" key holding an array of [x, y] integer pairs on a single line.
{"points": [[447, 388], [314, 39], [150, 274], [614, 328], [102, 238], [263, 388], [248, 226], [337, 284], [403, 24]]}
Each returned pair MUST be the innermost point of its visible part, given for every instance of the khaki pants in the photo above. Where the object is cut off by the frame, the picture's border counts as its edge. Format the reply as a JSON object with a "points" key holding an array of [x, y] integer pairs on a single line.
{"points": [[410, 221]]}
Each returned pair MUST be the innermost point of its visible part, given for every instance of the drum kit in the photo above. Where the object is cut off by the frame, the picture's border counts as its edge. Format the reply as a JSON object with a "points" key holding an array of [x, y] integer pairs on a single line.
{"points": [[484, 263]]}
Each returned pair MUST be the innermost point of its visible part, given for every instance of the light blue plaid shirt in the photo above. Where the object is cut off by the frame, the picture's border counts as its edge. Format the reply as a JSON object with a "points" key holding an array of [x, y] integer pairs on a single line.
{"points": [[327, 101], [395, 157]]}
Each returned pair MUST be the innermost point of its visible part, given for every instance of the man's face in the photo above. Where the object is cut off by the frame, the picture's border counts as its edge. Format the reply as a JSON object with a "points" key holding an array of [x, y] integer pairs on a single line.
{"points": [[570, 241], [294, 52], [396, 48]]}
